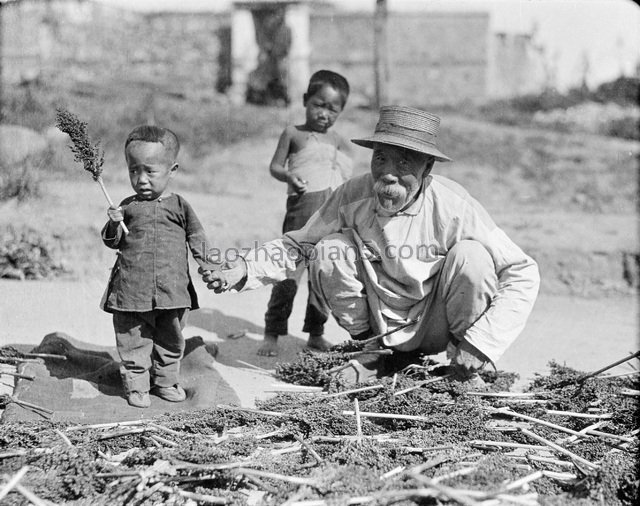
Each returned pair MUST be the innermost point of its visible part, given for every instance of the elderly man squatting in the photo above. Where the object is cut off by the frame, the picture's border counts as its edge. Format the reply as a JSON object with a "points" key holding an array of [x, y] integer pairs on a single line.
{"points": [[403, 250]]}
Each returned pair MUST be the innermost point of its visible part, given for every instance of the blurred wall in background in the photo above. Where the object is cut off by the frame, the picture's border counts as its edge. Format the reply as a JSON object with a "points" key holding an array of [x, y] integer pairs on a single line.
{"points": [[433, 57]]}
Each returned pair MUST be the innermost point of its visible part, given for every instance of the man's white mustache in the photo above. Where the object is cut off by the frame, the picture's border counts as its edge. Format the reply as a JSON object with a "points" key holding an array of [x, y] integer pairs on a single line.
{"points": [[389, 190]]}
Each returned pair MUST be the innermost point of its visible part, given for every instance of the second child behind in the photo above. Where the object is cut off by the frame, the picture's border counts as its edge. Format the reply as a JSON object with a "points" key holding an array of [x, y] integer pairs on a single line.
{"points": [[313, 160]]}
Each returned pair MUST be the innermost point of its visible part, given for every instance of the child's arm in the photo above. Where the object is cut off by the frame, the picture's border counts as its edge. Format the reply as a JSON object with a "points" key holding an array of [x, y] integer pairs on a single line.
{"points": [[278, 168], [196, 236], [111, 232]]}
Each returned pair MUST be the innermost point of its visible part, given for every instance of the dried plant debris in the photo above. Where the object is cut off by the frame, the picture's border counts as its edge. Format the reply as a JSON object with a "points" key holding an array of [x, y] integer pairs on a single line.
{"points": [[438, 443], [27, 254]]}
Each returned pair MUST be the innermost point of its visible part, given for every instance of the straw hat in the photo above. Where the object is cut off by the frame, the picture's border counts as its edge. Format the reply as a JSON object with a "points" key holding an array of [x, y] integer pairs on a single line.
{"points": [[408, 128]]}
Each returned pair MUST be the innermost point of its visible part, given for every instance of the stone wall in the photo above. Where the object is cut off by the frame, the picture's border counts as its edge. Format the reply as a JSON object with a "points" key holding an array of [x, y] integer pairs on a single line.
{"points": [[83, 41], [434, 58]]}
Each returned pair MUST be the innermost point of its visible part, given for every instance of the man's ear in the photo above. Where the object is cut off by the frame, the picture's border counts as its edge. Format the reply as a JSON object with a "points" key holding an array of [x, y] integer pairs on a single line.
{"points": [[174, 169], [428, 166]]}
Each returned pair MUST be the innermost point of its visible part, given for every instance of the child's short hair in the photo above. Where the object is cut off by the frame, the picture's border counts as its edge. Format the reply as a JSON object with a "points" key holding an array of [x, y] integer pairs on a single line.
{"points": [[333, 79], [152, 133]]}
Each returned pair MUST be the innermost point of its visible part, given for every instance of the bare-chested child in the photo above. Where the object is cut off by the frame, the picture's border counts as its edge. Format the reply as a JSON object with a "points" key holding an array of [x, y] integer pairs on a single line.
{"points": [[313, 160]]}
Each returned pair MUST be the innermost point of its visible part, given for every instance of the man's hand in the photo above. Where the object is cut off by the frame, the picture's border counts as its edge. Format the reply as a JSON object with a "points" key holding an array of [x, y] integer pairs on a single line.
{"points": [[231, 275], [115, 214], [467, 360]]}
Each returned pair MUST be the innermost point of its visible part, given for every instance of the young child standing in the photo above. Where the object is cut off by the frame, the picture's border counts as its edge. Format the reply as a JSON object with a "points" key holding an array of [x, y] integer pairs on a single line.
{"points": [[313, 160], [150, 291]]}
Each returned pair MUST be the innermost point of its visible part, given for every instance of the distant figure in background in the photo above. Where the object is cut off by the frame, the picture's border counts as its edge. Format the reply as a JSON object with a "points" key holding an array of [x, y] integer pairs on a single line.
{"points": [[313, 161], [268, 82], [150, 291]]}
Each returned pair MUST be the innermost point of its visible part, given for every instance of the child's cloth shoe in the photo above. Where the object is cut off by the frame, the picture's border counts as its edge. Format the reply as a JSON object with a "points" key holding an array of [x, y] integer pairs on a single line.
{"points": [[139, 399], [172, 394]]}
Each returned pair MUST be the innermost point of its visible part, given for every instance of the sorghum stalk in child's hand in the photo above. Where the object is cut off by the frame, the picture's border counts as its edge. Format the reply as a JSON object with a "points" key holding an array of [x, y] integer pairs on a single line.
{"points": [[90, 155]]}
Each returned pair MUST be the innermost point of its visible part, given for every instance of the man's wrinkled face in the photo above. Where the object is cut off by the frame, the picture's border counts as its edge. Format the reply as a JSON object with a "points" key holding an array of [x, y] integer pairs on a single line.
{"points": [[397, 175]]}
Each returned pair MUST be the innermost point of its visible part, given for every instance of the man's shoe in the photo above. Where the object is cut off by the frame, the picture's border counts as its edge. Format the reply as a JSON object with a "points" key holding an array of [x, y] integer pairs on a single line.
{"points": [[172, 394], [139, 399]]}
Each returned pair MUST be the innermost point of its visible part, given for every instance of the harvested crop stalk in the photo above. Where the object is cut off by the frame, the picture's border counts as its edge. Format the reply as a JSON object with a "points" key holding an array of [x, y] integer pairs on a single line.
{"points": [[63, 437], [164, 429], [509, 412], [483, 444], [369, 352], [377, 338], [414, 449], [161, 440], [503, 394], [458, 495], [15, 453], [309, 448], [559, 476], [250, 410], [368, 414], [380, 438], [18, 375], [30, 496], [577, 415], [395, 471], [266, 371], [354, 391], [275, 476], [277, 432], [422, 384], [571, 439], [90, 155], [356, 408], [453, 474], [124, 433], [17, 360], [559, 448], [394, 381], [13, 481], [429, 464], [585, 377], [106, 425], [6, 399], [261, 484], [45, 355], [625, 439], [201, 498], [521, 481], [289, 387]]}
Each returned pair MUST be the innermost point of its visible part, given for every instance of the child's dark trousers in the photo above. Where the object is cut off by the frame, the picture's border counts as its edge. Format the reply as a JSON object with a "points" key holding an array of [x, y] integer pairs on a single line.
{"points": [[150, 345], [299, 209]]}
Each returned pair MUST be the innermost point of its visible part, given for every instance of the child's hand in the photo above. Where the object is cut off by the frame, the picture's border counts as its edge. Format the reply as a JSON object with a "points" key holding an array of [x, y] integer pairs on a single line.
{"points": [[231, 276], [115, 214], [299, 185]]}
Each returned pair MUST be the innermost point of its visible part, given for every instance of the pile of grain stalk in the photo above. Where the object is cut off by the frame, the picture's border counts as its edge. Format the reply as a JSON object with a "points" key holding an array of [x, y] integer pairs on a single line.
{"points": [[409, 438]]}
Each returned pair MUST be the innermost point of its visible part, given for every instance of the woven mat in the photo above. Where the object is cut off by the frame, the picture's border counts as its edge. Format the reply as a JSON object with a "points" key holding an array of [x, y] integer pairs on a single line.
{"points": [[86, 388]]}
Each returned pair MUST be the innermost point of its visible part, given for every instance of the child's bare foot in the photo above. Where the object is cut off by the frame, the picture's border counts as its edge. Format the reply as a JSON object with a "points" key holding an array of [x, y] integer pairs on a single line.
{"points": [[270, 346], [318, 343]]}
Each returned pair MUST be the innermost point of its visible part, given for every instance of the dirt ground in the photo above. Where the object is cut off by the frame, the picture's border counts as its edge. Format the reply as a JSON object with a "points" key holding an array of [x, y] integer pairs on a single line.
{"points": [[582, 333], [578, 220]]}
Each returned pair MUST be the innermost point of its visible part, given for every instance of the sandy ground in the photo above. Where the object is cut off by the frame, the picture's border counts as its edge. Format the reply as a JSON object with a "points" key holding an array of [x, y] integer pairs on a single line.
{"points": [[582, 333]]}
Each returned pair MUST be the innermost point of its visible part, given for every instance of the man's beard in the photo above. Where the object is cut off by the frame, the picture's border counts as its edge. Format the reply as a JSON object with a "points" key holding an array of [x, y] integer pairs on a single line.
{"points": [[391, 197]]}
